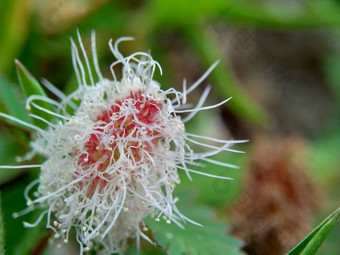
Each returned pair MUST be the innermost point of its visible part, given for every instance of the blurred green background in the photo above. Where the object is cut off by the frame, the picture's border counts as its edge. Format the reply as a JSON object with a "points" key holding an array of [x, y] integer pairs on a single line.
{"points": [[279, 61]]}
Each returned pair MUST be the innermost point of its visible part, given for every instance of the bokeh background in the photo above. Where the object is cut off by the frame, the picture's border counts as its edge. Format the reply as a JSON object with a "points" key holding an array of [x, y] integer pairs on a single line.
{"points": [[280, 63]]}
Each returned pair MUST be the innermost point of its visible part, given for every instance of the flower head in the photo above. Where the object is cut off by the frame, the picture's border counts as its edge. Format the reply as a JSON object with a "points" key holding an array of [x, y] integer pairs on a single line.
{"points": [[113, 154]]}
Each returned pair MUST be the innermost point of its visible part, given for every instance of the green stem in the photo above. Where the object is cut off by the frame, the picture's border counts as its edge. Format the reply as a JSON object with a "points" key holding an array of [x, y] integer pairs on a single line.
{"points": [[223, 81]]}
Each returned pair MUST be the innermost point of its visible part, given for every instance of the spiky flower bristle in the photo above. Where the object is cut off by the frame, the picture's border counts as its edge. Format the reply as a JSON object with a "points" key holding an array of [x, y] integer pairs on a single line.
{"points": [[113, 154]]}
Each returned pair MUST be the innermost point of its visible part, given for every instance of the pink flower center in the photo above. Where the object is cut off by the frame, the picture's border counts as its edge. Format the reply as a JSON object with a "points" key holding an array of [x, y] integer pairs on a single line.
{"points": [[127, 134]]}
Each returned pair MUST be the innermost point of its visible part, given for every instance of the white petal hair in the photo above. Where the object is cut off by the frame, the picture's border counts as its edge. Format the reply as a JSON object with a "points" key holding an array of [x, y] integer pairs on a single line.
{"points": [[114, 150]]}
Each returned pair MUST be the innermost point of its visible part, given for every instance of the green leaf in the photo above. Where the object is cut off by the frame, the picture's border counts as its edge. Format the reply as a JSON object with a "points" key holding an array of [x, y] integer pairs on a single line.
{"points": [[10, 100], [30, 86], [10, 147], [2, 232], [20, 240], [212, 238], [313, 241], [13, 30]]}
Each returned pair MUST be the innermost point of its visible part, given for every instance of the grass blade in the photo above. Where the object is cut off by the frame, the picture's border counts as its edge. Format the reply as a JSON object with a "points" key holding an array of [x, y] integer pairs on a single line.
{"points": [[313, 241], [30, 86]]}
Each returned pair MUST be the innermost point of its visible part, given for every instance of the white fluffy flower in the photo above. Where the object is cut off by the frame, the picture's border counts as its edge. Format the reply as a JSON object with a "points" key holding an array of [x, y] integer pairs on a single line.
{"points": [[113, 154]]}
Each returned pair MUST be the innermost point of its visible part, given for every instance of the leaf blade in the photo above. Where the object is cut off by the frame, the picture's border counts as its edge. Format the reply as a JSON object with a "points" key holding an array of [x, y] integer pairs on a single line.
{"points": [[210, 239], [313, 241], [30, 86], [13, 32], [11, 101]]}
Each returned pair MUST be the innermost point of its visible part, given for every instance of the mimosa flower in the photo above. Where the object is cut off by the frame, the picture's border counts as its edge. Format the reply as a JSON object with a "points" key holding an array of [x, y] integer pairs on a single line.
{"points": [[114, 152]]}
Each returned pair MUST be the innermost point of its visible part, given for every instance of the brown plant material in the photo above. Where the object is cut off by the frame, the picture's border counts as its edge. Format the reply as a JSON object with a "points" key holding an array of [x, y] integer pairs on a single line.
{"points": [[275, 208]]}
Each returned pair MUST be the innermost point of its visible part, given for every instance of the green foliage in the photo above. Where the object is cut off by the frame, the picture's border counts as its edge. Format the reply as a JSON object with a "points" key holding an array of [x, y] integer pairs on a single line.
{"points": [[280, 15], [13, 30], [2, 232], [323, 156], [49, 55], [30, 86], [331, 68], [211, 238], [10, 102], [8, 150], [20, 240], [313, 241], [211, 191], [149, 250], [224, 82]]}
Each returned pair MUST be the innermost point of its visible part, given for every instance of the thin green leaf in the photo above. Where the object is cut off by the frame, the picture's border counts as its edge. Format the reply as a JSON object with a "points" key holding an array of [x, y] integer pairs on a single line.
{"points": [[313, 241], [13, 30], [210, 239], [11, 101], [30, 86], [28, 83], [2, 232]]}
